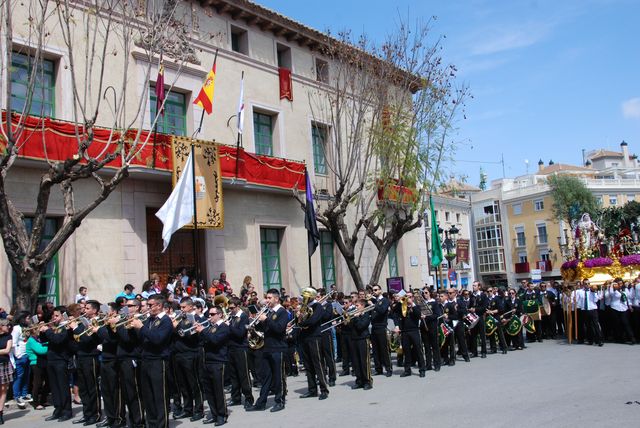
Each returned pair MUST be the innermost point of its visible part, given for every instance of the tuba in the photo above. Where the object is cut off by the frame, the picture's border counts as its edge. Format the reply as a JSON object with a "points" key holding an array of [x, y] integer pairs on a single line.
{"points": [[308, 294], [223, 302], [255, 337]]}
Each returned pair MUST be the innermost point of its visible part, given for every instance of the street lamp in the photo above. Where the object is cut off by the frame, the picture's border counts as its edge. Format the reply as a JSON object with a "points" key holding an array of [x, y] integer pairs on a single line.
{"points": [[450, 245]]}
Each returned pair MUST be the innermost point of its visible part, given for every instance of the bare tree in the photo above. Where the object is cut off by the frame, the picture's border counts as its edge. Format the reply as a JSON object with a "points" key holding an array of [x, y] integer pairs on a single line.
{"points": [[390, 112], [96, 38]]}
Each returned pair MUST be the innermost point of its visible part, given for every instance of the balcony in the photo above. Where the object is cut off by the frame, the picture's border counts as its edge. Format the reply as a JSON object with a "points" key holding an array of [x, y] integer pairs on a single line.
{"points": [[544, 265], [522, 267]]}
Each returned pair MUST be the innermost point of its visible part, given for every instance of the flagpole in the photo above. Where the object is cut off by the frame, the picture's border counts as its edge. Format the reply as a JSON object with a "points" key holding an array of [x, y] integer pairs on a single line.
{"points": [[195, 134], [195, 219], [238, 140]]}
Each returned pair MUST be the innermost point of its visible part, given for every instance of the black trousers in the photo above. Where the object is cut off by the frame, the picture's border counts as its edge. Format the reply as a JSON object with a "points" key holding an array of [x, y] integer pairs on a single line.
{"points": [[213, 383], [40, 383], [88, 369], [431, 346], [154, 375], [459, 331], [273, 378], [411, 343], [479, 331], [497, 337], [111, 391], [361, 360], [381, 353], [129, 370], [328, 357], [59, 381], [345, 347], [449, 348], [622, 326], [172, 386], [313, 366], [592, 325], [240, 379], [187, 375]]}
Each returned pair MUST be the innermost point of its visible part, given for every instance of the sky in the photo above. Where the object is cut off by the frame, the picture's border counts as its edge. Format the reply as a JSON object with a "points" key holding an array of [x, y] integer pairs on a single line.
{"points": [[549, 78]]}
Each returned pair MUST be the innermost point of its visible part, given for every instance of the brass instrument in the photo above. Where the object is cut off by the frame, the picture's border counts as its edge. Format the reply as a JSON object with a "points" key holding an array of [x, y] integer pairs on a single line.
{"points": [[182, 332], [127, 322], [425, 308], [308, 294], [345, 318], [404, 302], [255, 337], [223, 302]]}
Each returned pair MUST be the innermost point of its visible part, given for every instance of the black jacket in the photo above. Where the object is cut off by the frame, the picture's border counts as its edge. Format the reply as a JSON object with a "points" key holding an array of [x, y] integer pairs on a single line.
{"points": [[360, 326], [155, 335], [215, 341], [380, 314], [275, 328], [238, 331], [310, 328]]}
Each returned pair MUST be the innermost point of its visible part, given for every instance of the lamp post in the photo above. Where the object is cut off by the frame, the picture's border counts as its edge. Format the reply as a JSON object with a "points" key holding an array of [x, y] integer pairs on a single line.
{"points": [[450, 245]]}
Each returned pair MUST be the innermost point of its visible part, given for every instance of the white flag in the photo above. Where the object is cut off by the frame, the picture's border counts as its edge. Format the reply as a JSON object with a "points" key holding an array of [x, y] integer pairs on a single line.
{"points": [[241, 105], [178, 210]]}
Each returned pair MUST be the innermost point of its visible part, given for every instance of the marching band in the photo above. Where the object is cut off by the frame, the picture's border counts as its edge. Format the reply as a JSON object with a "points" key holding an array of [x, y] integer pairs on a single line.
{"points": [[149, 358]]}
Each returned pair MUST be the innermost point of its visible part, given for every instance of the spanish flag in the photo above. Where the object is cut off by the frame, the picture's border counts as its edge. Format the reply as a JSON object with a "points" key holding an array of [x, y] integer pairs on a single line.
{"points": [[205, 97]]}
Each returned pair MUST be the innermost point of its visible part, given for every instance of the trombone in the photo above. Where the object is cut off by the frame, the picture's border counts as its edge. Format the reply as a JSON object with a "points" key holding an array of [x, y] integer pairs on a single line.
{"points": [[345, 318]]}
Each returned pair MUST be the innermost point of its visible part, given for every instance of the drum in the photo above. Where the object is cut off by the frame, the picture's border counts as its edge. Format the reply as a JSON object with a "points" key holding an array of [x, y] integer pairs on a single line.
{"points": [[530, 306], [490, 325], [470, 320], [527, 323], [546, 306], [443, 331], [514, 326]]}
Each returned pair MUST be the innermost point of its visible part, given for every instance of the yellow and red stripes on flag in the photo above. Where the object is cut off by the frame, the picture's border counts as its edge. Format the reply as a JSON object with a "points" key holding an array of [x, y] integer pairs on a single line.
{"points": [[205, 97]]}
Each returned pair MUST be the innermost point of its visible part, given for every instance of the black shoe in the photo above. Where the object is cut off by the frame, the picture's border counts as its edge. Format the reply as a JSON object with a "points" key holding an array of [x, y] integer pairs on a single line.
{"points": [[357, 386], [504, 351], [234, 403], [367, 386], [248, 404], [600, 344], [209, 420], [474, 355], [332, 383], [53, 417], [451, 363], [91, 421], [467, 359], [323, 396], [388, 373], [79, 421], [483, 356], [196, 417], [256, 408], [437, 368], [344, 373], [378, 373], [220, 421], [309, 395], [105, 423], [405, 374], [493, 351], [121, 424], [64, 418], [277, 407], [422, 373], [182, 415]]}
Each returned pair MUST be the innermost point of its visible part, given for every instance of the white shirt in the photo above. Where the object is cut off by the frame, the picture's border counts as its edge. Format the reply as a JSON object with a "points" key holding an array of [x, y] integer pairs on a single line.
{"points": [[81, 297], [615, 298], [19, 344], [592, 299]]}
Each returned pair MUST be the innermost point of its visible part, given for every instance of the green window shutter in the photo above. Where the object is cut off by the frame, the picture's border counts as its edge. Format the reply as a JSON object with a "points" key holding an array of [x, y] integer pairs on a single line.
{"points": [[174, 121], [270, 248]]}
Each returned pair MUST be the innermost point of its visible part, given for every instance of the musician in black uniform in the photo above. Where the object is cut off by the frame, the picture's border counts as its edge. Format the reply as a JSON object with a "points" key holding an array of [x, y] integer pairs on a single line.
{"points": [[215, 338], [114, 410], [274, 326], [238, 358], [88, 366], [327, 358], [186, 347], [155, 334], [310, 343], [361, 357], [129, 353], [379, 342], [58, 357], [430, 332], [409, 323], [512, 304], [456, 310], [345, 335], [496, 309], [480, 304], [533, 294], [448, 348]]}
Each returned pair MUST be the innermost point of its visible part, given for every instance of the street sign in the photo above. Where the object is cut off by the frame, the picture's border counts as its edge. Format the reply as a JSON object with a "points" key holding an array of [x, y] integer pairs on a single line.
{"points": [[536, 276]]}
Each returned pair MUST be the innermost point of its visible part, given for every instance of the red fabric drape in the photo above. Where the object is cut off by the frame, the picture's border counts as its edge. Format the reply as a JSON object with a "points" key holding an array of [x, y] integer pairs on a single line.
{"points": [[286, 85]]}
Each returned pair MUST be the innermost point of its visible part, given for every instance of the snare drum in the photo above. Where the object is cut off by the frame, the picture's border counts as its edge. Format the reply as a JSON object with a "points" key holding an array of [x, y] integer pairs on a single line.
{"points": [[470, 320]]}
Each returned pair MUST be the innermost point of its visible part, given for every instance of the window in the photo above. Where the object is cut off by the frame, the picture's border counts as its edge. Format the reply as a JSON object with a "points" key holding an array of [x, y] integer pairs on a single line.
{"points": [[284, 56], [270, 246], [393, 260], [239, 40], [631, 198], [322, 71], [49, 290], [522, 257], [542, 234], [43, 98], [174, 121], [326, 259], [491, 260], [521, 240], [457, 217], [538, 205], [599, 200], [318, 138], [517, 209], [613, 201], [489, 213], [446, 216], [263, 133], [544, 256], [490, 236]]}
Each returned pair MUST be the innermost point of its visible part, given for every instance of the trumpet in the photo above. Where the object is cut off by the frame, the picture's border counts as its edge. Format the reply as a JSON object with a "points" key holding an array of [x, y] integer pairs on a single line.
{"points": [[182, 332], [345, 318], [127, 322]]}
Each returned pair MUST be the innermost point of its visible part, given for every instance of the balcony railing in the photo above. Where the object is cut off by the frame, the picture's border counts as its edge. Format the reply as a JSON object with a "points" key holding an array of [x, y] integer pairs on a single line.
{"points": [[522, 267], [544, 265]]}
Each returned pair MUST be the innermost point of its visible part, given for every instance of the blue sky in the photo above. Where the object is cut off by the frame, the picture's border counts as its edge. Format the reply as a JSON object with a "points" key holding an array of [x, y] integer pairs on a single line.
{"points": [[549, 78]]}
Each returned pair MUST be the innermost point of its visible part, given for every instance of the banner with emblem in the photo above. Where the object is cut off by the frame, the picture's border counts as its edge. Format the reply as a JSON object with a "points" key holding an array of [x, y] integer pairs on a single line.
{"points": [[208, 180], [462, 250]]}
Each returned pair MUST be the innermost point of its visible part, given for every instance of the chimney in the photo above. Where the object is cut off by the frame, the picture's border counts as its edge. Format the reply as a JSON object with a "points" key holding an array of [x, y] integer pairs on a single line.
{"points": [[626, 162], [540, 165]]}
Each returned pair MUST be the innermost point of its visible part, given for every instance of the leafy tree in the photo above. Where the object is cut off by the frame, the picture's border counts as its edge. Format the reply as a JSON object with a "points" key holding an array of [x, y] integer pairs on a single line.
{"points": [[571, 198], [483, 180]]}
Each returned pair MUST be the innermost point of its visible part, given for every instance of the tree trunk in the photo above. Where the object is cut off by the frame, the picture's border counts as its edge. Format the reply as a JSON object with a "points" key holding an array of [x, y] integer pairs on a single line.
{"points": [[27, 289], [377, 266]]}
